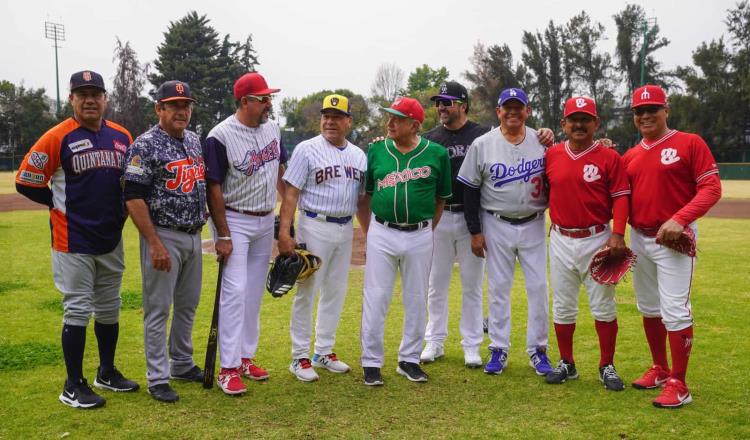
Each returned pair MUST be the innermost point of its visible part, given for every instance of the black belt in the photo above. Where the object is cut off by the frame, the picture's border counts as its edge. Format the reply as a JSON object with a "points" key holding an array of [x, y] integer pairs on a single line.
{"points": [[517, 221], [186, 229], [454, 208], [253, 213], [339, 220], [403, 228]]}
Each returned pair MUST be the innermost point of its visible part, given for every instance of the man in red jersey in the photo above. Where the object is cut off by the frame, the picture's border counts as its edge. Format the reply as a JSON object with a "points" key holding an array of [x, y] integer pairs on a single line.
{"points": [[588, 187], [674, 181]]}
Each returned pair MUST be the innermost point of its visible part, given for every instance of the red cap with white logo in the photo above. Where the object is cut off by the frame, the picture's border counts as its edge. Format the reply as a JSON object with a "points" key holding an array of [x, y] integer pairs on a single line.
{"points": [[649, 95], [580, 104], [406, 108]]}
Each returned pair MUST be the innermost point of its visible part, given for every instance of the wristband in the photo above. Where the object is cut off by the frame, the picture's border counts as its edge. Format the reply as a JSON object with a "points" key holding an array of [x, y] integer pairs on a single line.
{"points": [[227, 238]]}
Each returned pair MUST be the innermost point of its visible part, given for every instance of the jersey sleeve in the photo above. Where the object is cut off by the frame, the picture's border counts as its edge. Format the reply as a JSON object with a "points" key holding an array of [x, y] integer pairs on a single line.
{"points": [[445, 184], [618, 178], [469, 174], [40, 162], [283, 154], [298, 168], [215, 158], [702, 162], [138, 167]]}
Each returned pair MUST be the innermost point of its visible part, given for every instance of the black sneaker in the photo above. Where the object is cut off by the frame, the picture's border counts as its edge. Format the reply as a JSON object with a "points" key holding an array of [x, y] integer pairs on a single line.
{"points": [[562, 372], [163, 393], [411, 371], [114, 381], [372, 376], [609, 377], [80, 395], [194, 374]]}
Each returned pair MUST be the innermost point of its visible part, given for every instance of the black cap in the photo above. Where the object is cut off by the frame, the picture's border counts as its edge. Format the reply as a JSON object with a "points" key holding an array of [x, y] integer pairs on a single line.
{"points": [[86, 78], [452, 90], [173, 91]]}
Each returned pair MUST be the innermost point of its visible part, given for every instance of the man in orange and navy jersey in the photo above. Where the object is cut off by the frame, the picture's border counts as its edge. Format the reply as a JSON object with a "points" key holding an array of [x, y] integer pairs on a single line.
{"points": [[75, 170]]}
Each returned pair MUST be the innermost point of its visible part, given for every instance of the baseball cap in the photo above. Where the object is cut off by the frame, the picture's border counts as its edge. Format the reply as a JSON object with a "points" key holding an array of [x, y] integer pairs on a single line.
{"points": [[86, 78], [173, 91], [510, 94], [649, 95], [406, 108], [252, 83], [451, 90], [336, 102], [580, 104]]}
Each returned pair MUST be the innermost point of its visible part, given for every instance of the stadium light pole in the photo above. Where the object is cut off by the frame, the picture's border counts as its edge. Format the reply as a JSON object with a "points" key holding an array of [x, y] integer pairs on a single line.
{"points": [[56, 33], [648, 26]]}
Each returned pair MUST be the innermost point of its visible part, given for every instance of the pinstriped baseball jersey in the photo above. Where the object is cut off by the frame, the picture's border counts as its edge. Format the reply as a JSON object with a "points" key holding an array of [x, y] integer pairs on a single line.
{"points": [[245, 160], [510, 177], [330, 178]]}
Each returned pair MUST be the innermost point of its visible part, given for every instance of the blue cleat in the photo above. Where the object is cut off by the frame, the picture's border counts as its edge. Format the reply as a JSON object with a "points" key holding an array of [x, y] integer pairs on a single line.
{"points": [[540, 363], [498, 359]]}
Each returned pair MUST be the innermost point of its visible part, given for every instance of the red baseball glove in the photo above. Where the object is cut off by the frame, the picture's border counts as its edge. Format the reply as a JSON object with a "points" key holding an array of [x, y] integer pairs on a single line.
{"points": [[685, 244], [607, 269]]}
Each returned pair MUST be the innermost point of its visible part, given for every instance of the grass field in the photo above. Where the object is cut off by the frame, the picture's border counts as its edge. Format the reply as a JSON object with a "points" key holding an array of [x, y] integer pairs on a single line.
{"points": [[456, 403]]}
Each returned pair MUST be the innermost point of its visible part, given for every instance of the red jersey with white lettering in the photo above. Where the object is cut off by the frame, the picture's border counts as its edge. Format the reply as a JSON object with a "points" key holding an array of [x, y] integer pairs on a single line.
{"points": [[583, 185], [664, 174]]}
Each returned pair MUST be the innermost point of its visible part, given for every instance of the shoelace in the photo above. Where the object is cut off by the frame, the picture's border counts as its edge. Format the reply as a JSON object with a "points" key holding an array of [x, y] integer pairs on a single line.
{"points": [[609, 372], [652, 374], [331, 357], [541, 358], [84, 388], [561, 365], [305, 363]]}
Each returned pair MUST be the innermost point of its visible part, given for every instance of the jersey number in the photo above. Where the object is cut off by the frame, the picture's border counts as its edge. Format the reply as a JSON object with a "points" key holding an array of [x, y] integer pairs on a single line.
{"points": [[537, 182]]}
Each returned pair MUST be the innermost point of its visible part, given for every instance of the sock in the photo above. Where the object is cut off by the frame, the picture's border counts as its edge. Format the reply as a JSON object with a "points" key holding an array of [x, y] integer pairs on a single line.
{"points": [[607, 332], [680, 344], [73, 344], [656, 335], [106, 335], [564, 334]]}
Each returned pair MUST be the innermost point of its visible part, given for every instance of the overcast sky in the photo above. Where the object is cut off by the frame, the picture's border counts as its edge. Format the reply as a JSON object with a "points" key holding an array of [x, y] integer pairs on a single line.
{"points": [[306, 46]]}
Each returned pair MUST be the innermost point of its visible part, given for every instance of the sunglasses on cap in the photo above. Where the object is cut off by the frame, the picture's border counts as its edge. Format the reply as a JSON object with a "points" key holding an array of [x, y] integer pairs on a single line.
{"points": [[447, 102], [639, 111], [262, 99]]}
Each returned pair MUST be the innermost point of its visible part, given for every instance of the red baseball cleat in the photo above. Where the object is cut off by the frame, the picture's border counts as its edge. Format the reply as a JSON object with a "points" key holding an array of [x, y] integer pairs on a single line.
{"points": [[252, 371], [230, 382], [674, 395], [655, 377]]}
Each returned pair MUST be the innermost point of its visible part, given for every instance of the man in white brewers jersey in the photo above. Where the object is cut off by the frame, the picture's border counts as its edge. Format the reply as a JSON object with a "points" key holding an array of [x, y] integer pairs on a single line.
{"points": [[243, 157], [325, 179]]}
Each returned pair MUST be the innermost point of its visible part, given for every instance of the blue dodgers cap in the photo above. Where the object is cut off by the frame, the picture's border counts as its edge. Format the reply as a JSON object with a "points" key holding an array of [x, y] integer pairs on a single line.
{"points": [[510, 94]]}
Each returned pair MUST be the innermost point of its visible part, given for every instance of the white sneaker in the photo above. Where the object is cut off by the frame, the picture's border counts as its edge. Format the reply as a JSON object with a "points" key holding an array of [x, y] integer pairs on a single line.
{"points": [[303, 370], [330, 362], [432, 351], [472, 359]]}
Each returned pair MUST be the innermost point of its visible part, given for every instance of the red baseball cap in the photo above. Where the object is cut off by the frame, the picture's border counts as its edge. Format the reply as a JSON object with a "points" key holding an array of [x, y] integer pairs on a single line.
{"points": [[406, 108], [252, 83], [580, 104], [649, 95]]}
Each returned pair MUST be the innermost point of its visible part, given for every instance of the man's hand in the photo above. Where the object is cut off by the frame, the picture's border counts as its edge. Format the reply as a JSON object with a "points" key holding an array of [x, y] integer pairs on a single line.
{"points": [[377, 139], [670, 231], [223, 250], [159, 256], [606, 143], [478, 246], [616, 245], [546, 136], [286, 244]]}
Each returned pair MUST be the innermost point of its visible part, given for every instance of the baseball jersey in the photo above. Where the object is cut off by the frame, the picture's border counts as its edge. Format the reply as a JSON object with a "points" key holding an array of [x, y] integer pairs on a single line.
{"points": [[404, 186], [583, 185], [174, 171], [83, 169], [663, 176], [510, 177], [457, 142], [330, 178], [245, 161]]}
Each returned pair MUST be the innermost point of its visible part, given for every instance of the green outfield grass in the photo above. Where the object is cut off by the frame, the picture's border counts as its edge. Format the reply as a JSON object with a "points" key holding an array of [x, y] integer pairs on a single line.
{"points": [[456, 403]]}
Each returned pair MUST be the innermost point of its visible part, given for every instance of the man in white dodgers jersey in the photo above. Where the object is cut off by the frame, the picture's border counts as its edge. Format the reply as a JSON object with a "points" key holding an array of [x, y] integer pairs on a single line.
{"points": [[325, 179], [244, 163]]}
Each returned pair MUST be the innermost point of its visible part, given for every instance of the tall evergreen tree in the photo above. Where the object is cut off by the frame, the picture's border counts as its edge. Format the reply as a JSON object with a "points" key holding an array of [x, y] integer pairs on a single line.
{"points": [[125, 100]]}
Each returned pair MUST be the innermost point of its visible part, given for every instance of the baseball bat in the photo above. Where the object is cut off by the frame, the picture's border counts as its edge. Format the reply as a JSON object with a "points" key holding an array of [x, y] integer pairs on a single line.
{"points": [[210, 368]]}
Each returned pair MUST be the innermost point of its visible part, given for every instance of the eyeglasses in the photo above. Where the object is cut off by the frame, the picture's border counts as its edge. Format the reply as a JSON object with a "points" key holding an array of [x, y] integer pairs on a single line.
{"points": [[447, 102], [262, 99], [639, 111]]}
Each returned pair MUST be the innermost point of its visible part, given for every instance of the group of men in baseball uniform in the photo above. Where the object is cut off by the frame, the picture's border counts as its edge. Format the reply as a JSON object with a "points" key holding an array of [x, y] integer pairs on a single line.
{"points": [[461, 192]]}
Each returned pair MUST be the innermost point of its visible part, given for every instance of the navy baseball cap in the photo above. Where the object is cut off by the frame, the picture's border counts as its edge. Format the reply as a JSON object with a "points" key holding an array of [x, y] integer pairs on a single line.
{"points": [[453, 91], [511, 94], [86, 78], [173, 91]]}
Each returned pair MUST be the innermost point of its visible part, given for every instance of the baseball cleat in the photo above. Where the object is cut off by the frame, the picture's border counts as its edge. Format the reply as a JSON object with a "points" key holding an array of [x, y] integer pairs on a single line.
{"points": [[654, 377], [432, 352], [330, 362], [540, 363], [230, 382], [194, 374], [609, 377], [411, 371], [674, 395], [562, 372], [114, 381], [303, 370], [372, 376], [472, 359], [80, 395], [498, 359], [252, 371], [163, 393]]}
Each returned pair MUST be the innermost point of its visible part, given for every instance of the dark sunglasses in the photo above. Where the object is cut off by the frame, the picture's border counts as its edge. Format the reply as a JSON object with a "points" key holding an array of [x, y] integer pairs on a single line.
{"points": [[447, 102], [639, 111], [262, 99]]}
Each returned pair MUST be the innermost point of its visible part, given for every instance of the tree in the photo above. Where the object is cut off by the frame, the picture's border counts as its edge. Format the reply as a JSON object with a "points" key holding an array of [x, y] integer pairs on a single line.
{"points": [[426, 78], [388, 84], [125, 100], [24, 116]]}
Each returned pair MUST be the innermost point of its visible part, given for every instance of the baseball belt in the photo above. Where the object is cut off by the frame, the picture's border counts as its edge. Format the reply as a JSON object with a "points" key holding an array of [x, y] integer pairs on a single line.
{"points": [[454, 208], [401, 227], [329, 219], [516, 221], [253, 213], [579, 233]]}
